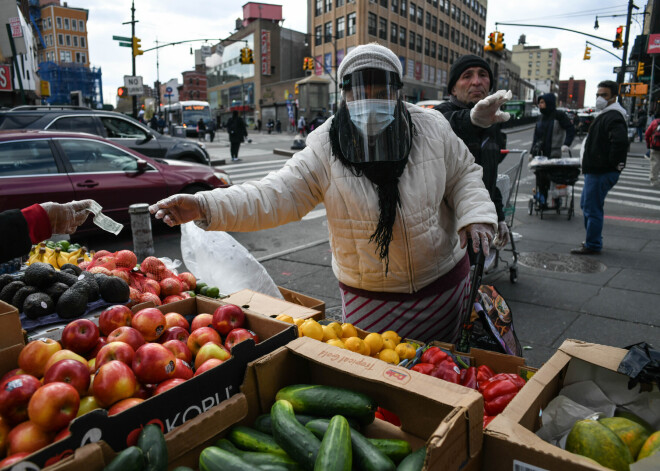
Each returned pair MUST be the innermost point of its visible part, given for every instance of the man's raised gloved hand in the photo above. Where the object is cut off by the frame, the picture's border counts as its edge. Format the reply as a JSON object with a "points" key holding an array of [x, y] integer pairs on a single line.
{"points": [[487, 111]]}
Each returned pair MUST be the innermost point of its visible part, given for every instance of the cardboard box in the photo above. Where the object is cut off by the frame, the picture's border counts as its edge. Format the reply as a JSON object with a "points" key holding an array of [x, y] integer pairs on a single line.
{"points": [[510, 441], [12, 339], [176, 406], [295, 305]]}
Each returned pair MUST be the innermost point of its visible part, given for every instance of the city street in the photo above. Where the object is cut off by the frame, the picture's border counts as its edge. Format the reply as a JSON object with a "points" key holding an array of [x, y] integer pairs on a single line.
{"points": [[610, 298]]}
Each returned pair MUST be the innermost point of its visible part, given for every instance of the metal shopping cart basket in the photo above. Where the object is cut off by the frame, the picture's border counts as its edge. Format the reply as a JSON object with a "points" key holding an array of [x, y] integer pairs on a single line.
{"points": [[507, 183], [562, 173]]}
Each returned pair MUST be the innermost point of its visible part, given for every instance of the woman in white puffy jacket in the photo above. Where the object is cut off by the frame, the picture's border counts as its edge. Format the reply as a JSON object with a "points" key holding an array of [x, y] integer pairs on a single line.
{"points": [[402, 195]]}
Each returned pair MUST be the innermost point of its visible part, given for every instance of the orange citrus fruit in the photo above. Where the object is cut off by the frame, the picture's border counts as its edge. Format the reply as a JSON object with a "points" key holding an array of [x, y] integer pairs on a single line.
{"points": [[405, 351], [374, 341], [388, 355], [390, 334]]}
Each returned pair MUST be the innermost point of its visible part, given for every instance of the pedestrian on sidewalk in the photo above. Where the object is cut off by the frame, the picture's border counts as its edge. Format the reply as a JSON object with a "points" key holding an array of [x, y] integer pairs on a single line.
{"points": [[653, 144], [237, 133], [302, 126], [640, 124], [474, 117], [402, 195], [605, 152], [201, 129], [211, 130]]}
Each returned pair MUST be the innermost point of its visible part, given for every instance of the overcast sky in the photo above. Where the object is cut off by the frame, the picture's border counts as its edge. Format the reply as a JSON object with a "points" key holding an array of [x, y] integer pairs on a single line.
{"points": [[170, 21]]}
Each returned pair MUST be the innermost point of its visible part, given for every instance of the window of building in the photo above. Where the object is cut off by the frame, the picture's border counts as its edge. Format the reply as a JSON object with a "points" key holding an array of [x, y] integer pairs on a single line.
{"points": [[550, 63], [328, 5], [537, 72], [441, 28], [318, 9], [434, 24], [68, 40], [81, 26], [371, 24], [394, 33], [529, 64], [445, 55], [340, 27], [82, 41], [77, 57], [48, 23], [538, 54], [395, 6], [60, 39], [529, 72], [318, 35], [328, 32], [404, 9], [382, 28], [427, 46], [530, 55], [538, 63], [351, 24], [433, 46], [420, 16], [418, 40], [66, 23], [411, 43], [74, 25], [549, 71], [434, 3], [75, 41], [413, 11], [383, 3], [83, 58], [402, 36], [453, 13], [58, 22], [65, 56]]}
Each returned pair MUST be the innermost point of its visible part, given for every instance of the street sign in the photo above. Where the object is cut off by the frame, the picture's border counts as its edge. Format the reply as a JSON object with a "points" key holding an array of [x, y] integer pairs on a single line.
{"points": [[168, 95], [16, 31], [629, 68], [5, 78], [633, 89], [126, 44], [133, 85], [121, 38], [169, 89]]}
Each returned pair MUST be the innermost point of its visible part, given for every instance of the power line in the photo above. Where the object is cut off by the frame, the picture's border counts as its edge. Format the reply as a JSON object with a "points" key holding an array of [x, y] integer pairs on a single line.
{"points": [[599, 12]]}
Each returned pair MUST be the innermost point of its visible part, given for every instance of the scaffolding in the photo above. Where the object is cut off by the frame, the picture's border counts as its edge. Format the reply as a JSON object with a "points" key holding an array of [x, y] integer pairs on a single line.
{"points": [[70, 77]]}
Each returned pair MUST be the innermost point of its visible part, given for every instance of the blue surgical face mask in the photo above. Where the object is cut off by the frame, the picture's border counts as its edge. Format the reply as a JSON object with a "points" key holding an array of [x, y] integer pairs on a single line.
{"points": [[371, 116]]}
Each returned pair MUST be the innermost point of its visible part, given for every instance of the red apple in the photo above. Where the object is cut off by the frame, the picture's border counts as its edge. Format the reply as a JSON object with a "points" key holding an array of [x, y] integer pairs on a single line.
{"points": [[10, 373], [189, 279], [115, 351], [144, 391], [124, 404], [169, 384], [94, 351], [175, 319], [15, 394], [113, 317], [4, 431], [211, 350], [71, 372], [150, 322], [182, 369], [27, 437], [201, 320], [207, 365], [87, 404], [180, 350], [32, 359], [153, 363], [239, 335], [64, 355], [113, 382], [201, 336], [53, 406], [13, 459], [174, 333], [228, 317], [127, 335], [80, 336]]}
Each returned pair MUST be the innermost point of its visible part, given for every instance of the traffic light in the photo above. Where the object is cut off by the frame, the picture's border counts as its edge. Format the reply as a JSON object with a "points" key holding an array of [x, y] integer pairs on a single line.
{"points": [[246, 56], [491, 42], [296, 89], [618, 41], [308, 63], [587, 53], [499, 44], [640, 68], [122, 92], [136, 47]]}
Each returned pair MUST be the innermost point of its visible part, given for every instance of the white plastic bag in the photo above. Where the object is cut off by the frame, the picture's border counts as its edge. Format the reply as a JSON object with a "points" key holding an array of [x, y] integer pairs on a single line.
{"points": [[217, 259]]}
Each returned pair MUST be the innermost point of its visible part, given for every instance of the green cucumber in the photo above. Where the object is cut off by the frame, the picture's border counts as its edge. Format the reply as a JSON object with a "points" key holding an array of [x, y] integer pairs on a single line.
{"points": [[152, 443], [258, 458], [249, 439], [328, 401], [183, 468], [213, 458], [299, 443], [366, 455], [130, 459], [264, 424], [335, 453], [394, 449], [414, 461]]}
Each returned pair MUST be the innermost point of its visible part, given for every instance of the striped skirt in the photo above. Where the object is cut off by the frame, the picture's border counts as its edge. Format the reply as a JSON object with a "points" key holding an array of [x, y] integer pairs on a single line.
{"points": [[434, 316]]}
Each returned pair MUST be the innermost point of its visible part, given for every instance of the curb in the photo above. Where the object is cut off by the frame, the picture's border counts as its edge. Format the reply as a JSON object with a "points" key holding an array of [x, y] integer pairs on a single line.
{"points": [[285, 152]]}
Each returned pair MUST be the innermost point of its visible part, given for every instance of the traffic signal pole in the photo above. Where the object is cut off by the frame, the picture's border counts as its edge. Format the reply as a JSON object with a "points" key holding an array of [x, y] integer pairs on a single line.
{"points": [[133, 98], [620, 76]]}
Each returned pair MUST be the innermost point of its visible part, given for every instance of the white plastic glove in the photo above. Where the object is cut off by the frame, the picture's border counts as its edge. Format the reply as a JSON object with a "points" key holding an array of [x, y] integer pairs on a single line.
{"points": [[65, 218], [502, 234], [479, 233], [179, 209], [487, 111], [565, 149]]}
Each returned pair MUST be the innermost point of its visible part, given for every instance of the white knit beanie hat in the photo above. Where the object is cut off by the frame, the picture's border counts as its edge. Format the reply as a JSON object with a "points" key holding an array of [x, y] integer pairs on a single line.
{"points": [[369, 56]]}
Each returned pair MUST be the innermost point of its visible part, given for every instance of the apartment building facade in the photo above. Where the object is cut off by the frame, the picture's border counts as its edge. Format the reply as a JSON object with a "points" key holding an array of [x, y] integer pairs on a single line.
{"points": [[539, 66], [64, 31], [571, 93], [426, 35]]}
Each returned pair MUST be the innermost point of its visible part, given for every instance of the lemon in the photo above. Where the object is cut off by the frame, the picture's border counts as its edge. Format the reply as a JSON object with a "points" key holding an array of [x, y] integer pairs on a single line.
{"points": [[390, 334], [388, 344], [388, 355], [336, 343], [312, 329], [375, 342], [356, 344], [348, 330], [285, 318], [299, 321], [328, 333], [336, 326], [405, 351]]}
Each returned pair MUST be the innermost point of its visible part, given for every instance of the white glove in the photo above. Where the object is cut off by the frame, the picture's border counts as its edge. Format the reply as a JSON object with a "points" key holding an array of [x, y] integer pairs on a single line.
{"points": [[479, 233], [565, 149], [179, 209], [502, 234], [487, 111], [65, 218]]}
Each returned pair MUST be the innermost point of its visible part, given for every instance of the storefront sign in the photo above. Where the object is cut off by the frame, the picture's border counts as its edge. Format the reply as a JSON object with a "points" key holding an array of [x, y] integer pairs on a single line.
{"points": [[5, 78], [16, 30], [418, 70], [265, 52], [654, 44], [327, 63], [318, 68]]}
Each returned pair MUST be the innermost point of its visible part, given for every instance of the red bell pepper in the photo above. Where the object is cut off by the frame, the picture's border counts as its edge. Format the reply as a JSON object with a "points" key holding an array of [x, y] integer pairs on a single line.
{"points": [[469, 377], [378, 415], [484, 373], [424, 368], [448, 371], [517, 380], [434, 355], [498, 393], [488, 419], [388, 416]]}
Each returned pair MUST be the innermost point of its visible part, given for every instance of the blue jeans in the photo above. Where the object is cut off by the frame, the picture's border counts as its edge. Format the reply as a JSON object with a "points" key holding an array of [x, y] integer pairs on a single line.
{"points": [[596, 187]]}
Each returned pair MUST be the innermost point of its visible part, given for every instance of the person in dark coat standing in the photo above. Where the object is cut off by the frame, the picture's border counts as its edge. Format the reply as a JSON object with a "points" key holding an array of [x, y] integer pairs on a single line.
{"points": [[201, 129], [553, 136], [605, 152], [237, 133], [474, 116], [211, 129]]}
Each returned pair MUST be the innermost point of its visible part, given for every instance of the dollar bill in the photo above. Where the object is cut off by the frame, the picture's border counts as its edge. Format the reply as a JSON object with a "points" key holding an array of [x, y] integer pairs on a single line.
{"points": [[104, 222]]}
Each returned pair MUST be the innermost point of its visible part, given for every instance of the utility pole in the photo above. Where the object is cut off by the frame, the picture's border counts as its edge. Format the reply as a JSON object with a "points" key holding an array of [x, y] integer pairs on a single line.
{"points": [[621, 75], [132, 22]]}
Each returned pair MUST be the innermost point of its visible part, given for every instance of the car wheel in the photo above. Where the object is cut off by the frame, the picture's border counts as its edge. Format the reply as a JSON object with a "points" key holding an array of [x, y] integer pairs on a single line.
{"points": [[192, 189]]}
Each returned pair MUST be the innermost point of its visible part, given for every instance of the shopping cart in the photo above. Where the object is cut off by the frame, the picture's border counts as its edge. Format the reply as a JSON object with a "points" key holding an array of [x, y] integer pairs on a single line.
{"points": [[562, 173], [507, 183]]}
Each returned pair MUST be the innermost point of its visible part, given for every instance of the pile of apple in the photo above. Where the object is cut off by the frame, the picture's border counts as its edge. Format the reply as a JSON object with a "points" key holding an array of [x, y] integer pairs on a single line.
{"points": [[125, 360]]}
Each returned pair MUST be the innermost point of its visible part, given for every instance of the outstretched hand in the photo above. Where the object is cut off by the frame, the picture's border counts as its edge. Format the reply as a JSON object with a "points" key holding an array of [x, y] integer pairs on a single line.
{"points": [[65, 218], [487, 111], [177, 209], [480, 234]]}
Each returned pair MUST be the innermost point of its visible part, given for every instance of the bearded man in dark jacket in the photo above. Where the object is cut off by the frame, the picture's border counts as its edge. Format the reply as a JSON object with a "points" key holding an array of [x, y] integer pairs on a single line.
{"points": [[475, 118]]}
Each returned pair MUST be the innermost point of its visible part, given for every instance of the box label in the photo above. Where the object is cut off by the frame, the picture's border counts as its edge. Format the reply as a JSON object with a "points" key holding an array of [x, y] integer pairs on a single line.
{"points": [[365, 362]]}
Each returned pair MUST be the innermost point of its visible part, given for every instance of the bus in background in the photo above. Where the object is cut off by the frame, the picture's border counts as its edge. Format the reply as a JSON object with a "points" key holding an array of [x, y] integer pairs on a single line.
{"points": [[430, 104], [187, 114], [518, 108]]}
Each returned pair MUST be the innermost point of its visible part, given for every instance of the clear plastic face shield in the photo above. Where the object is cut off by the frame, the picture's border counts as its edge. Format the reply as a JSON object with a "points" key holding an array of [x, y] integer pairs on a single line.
{"points": [[380, 130]]}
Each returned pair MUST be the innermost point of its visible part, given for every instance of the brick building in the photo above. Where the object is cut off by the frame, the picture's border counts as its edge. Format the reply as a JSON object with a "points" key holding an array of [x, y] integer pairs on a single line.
{"points": [[571, 93]]}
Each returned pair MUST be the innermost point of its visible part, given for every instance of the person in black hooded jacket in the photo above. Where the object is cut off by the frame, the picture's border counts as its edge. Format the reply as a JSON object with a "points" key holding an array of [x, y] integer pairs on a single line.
{"points": [[470, 81], [553, 136]]}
